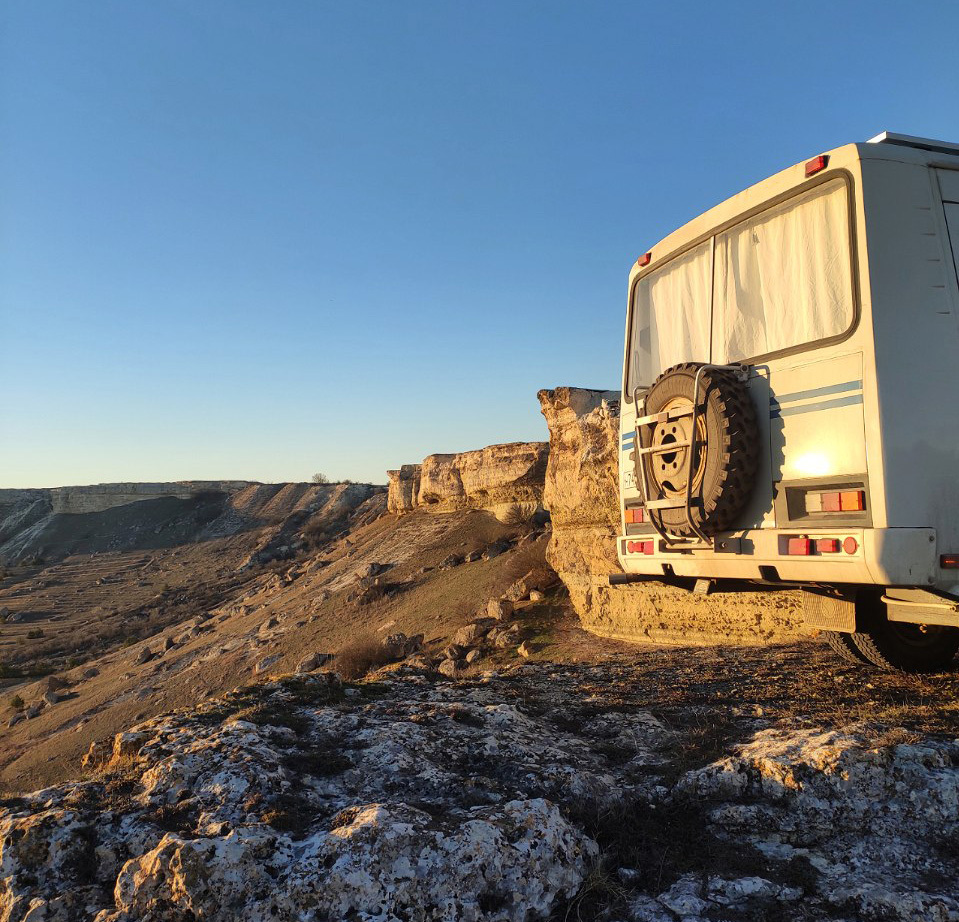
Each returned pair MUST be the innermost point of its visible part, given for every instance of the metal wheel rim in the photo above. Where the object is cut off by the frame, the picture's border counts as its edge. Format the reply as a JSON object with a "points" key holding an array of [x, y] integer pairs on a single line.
{"points": [[667, 469]]}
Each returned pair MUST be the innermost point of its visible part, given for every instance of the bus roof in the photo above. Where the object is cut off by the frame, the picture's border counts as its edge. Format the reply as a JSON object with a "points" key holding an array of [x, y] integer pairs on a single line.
{"points": [[884, 146]]}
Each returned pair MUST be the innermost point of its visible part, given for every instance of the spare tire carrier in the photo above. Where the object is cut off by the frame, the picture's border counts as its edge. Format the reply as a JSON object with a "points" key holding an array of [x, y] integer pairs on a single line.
{"points": [[692, 448]]}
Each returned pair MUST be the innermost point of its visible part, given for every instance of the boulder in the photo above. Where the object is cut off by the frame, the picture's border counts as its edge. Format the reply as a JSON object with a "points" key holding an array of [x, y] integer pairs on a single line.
{"points": [[268, 625], [499, 609], [264, 664], [450, 667], [470, 633], [453, 651], [536, 580], [313, 661], [506, 638], [495, 549], [399, 646]]}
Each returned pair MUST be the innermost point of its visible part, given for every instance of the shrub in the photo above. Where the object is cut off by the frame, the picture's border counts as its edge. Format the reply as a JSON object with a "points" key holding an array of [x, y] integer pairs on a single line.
{"points": [[362, 656], [17, 703], [320, 478], [35, 633]]}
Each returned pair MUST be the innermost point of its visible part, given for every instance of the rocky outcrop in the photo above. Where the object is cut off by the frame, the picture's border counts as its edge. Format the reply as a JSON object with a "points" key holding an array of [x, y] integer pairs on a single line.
{"points": [[504, 479], [860, 816], [513, 796], [285, 802], [404, 488], [582, 496]]}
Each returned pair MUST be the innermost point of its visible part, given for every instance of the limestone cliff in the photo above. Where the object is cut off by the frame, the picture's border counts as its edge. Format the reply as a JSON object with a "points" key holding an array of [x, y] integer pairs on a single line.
{"points": [[582, 494], [54, 523], [504, 479]]}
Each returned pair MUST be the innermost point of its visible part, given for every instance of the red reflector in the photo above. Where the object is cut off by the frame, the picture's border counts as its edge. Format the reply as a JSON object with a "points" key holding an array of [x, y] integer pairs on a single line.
{"points": [[831, 502], [648, 547], [816, 164], [640, 547], [854, 501], [850, 545], [949, 561], [800, 547], [827, 545], [645, 259]]}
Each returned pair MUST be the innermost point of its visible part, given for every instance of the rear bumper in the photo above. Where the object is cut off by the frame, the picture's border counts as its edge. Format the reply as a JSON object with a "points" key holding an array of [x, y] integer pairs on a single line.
{"points": [[883, 557]]}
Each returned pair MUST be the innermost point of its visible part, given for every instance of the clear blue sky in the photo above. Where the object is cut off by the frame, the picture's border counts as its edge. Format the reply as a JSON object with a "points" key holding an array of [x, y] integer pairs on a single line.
{"points": [[258, 240]]}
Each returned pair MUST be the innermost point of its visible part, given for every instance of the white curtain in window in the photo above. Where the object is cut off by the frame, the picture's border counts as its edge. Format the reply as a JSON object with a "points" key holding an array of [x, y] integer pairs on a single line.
{"points": [[783, 277], [671, 316]]}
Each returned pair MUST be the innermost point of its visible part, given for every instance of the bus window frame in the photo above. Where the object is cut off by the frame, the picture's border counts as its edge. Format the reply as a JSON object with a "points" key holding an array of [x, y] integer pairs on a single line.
{"points": [[796, 192]]}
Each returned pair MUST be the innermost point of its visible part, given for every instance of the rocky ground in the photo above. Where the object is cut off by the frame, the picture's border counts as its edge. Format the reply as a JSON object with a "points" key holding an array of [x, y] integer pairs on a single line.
{"points": [[648, 784], [420, 729]]}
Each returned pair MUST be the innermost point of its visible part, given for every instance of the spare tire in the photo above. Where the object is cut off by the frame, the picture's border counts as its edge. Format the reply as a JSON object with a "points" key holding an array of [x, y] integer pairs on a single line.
{"points": [[726, 454]]}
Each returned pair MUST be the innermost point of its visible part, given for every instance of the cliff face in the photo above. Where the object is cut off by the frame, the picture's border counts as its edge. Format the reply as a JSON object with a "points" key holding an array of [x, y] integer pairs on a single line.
{"points": [[582, 496], [506, 480], [54, 523]]}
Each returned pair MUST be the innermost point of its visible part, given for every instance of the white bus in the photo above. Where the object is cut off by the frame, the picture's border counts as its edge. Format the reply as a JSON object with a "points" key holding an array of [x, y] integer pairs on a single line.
{"points": [[790, 408]]}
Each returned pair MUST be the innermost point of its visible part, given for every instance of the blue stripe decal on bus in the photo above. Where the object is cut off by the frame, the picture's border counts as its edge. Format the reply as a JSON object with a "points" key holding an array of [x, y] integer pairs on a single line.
{"points": [[816, 392], [849, 401]]}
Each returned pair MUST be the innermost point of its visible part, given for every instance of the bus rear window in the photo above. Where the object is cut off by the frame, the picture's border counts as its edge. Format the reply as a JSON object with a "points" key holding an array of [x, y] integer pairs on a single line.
{"points": [[671, 315], [783, 277], [779, 280]]}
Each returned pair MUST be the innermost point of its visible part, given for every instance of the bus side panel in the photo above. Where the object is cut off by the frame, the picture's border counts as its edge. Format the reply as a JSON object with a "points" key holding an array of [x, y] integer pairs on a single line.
{"points": [[915, 317]]}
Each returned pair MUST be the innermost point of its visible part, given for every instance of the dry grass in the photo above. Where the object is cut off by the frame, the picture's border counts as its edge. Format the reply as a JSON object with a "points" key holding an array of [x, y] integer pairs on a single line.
{"points": [[360, 657]]}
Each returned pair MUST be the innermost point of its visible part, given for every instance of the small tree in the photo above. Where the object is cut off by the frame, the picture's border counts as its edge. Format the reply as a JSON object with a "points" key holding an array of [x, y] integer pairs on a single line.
{"points": [[320, 478]]}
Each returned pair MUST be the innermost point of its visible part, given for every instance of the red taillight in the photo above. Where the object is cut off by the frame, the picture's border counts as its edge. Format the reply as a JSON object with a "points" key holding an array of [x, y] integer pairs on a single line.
{"points": [[645, 259], [827, 545], [847, 501], [816, 164], [635, 516], [949, 561], [639, 547], [799, 547], [831, 502], [850, 545], [852, 501]]}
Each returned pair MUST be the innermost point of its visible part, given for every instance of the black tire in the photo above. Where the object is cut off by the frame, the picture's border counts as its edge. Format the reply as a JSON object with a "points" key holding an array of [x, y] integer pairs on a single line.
{"points": [[724, 471], [898, 646], [843, 645]]}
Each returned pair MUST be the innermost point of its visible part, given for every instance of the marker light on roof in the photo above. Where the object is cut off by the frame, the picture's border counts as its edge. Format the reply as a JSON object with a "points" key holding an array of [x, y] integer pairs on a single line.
{"points": [[645, 259], [816, 164]]}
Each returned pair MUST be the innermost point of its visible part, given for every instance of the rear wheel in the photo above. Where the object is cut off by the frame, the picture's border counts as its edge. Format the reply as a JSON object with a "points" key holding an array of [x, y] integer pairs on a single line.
{"points": [[844, 646], [900, 646]]}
